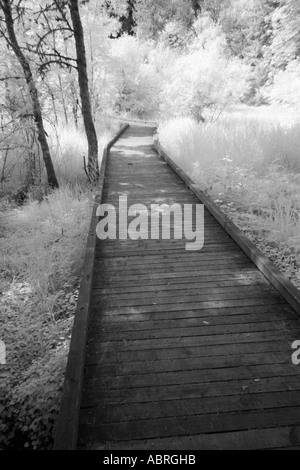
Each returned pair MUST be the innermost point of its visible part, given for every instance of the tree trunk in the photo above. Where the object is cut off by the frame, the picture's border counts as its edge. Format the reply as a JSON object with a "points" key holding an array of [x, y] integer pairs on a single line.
{"points": [[6, 7], [61, 89], [93, 167]]}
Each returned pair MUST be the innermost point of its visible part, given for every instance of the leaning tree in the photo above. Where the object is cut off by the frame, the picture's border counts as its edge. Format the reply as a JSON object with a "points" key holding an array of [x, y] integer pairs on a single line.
{"points": [[8, 32]]}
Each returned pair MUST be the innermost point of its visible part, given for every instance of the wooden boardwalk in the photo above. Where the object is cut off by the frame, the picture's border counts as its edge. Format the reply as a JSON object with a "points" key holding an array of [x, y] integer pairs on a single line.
{"points": [[186, 349]]}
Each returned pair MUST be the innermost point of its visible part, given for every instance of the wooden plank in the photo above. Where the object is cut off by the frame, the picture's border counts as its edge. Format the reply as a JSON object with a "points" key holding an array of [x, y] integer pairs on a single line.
{"points": [[205, 305], [164, 281], [172, 408], [253, 439], [194, 391], [67, 422], [175, 315], [226, 322], [210, 283], [139, 388], [166, 272], [197, 256], [144, 278], [119, 252], [162, 289], [128, 268], [96, 354], [170, 300], [151, 344], [182, 426], [191, 363], [180, 296], [199, 376], [199, 330]]}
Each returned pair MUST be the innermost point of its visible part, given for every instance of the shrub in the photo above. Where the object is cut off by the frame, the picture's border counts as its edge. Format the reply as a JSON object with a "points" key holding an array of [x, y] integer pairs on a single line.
{"points": [[43, 246], [32, 407], [286, 85], [205, 76]]}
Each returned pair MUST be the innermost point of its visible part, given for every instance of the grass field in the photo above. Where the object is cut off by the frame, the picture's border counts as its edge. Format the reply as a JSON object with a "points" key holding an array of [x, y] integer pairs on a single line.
{"points": [[248, 161]]}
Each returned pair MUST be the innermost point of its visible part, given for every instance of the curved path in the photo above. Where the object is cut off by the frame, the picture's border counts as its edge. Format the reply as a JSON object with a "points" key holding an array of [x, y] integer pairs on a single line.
{"points": [[186, 349]]}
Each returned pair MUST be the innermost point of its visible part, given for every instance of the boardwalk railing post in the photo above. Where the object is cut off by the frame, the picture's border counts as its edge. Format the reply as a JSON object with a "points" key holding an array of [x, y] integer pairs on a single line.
{"points": [[68, 418]]}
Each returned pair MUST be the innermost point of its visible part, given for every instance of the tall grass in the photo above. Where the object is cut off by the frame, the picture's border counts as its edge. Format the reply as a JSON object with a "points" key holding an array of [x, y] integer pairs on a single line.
{"points": [[249, 160], [248, 142], [42, 246], [42, 251], [69, 147]]}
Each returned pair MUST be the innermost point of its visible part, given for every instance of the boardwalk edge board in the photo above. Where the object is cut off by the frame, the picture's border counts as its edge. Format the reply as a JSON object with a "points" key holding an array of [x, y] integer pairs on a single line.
{"points": [[68, 418], [284, 286]]}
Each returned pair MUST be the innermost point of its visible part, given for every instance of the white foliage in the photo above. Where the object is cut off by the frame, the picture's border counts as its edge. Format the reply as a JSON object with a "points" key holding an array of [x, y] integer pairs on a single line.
{"points": [[204, 76], [286, 86]]}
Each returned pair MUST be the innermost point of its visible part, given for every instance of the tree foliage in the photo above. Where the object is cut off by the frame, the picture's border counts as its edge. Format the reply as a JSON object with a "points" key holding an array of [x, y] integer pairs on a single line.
{"points": [[50, 48], [9, 33]]}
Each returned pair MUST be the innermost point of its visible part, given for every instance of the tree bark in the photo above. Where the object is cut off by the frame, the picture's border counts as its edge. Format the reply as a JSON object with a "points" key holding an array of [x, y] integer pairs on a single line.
{"points": [[6, 7], [93, 166]]}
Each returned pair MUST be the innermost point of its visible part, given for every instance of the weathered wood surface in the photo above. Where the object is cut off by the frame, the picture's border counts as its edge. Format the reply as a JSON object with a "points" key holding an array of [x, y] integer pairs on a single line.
{"points": [[186, 350]]}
